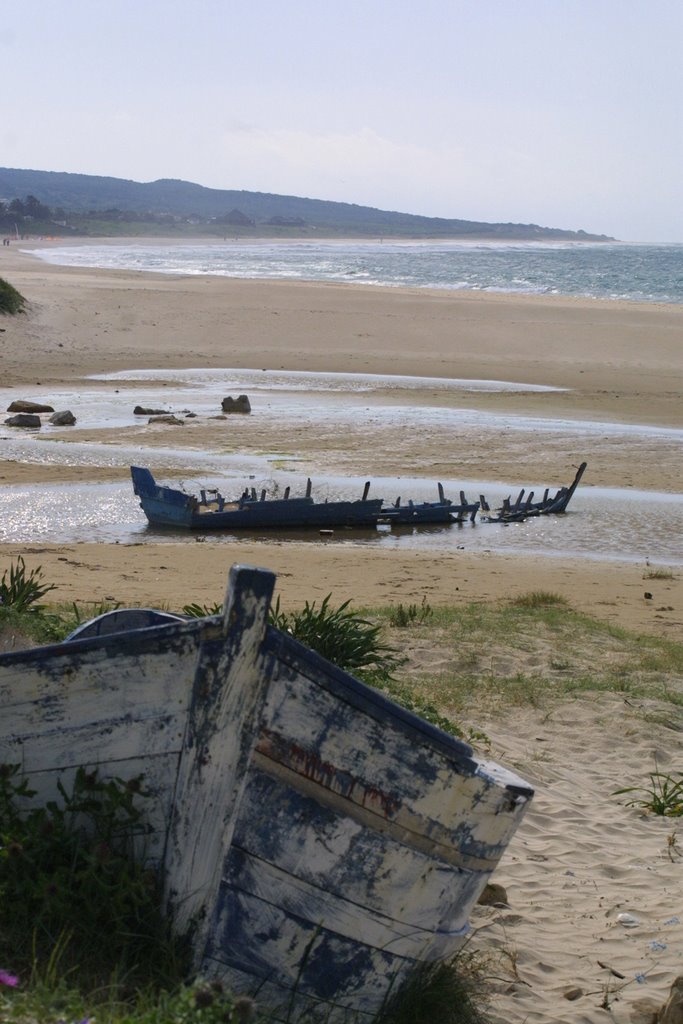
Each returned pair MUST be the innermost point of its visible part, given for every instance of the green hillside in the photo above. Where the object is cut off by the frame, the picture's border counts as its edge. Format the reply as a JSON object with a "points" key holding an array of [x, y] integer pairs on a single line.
{"points": [[88, 204]]}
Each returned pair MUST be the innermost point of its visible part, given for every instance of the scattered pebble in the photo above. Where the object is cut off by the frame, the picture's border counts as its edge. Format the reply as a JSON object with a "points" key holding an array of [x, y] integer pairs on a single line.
{"points": [[493, 895], [628, 920]]}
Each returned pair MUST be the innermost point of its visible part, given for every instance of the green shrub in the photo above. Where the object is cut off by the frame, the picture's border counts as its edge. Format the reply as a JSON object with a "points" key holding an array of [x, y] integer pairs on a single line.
{"points": [[664, 795], [19, 590], [70, 878], [52, 1001], [340, 635], [11, 301], [200, 1003]]}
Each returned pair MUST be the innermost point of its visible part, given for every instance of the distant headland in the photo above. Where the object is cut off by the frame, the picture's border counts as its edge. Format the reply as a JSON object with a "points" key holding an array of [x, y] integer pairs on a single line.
{"points": [[58, 203]]}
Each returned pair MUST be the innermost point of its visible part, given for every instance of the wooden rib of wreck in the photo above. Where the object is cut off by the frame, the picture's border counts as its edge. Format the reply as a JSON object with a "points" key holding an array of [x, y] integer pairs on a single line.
{"points": [[168, 506], [525, 507], [322, 840], [441, 511]]}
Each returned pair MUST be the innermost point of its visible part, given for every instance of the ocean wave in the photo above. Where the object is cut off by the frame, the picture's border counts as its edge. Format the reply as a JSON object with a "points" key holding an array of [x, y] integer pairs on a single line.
{"points": [[626, 272]]}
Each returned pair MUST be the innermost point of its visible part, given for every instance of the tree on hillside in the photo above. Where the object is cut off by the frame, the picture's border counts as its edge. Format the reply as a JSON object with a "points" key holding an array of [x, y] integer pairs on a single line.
{"points": [[35, 209], [30, 207]]}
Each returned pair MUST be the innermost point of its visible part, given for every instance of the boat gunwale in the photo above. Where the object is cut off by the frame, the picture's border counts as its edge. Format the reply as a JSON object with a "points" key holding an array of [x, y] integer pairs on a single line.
{"points": [[69, 647]]}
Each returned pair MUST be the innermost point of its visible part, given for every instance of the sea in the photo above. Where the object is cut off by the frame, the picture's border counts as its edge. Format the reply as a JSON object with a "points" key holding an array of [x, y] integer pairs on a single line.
{"points": [[616, 271]]}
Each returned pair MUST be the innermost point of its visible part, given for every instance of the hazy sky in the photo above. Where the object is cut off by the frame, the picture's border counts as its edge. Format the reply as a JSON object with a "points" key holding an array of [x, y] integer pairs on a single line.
{"points": [[565, 113]]}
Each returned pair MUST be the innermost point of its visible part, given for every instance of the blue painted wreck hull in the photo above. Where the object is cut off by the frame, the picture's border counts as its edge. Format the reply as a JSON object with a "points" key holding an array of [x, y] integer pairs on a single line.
{"points": [[322, 840], [165, 506]]}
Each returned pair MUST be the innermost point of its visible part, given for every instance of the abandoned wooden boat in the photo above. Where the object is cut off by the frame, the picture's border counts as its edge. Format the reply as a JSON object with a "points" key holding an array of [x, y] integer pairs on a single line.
{"points": [[167, 506], [321, 840], [525, 507]]}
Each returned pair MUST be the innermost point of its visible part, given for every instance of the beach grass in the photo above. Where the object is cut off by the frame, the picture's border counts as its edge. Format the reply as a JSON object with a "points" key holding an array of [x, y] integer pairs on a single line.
{"points": [[453, 992], [659, 574], [533, 650]]}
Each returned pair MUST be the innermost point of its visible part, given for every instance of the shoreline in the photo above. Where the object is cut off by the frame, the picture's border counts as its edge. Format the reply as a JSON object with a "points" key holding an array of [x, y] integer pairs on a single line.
{"points": [[31, 247]]}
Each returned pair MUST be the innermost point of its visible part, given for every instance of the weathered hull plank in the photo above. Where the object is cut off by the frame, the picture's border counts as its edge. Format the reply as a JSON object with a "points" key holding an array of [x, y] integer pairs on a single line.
{"points": [[326, 849]]}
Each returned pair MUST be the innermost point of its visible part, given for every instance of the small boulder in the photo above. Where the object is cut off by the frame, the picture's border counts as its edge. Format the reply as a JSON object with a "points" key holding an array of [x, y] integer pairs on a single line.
{"points": [[240, 404], [23, 419], [63, 419], [168, 418], [140, 410], [23, 406], [493, 895]]}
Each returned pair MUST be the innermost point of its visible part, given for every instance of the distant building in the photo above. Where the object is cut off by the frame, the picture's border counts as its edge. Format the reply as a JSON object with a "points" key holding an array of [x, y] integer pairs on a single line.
{"points": [[235, 217]]}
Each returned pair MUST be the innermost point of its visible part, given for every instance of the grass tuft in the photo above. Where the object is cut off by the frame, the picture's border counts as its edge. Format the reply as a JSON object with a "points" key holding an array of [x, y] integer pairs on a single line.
{"points": [[411, 614], [201, 611], [539, 599], [663, 795], [11, 301], [20, 590], [341, 635], [448, 992], [659, 574]]}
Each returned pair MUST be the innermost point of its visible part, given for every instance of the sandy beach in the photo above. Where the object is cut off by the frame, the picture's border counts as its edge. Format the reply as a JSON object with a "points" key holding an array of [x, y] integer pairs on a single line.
{"points": [[580, 859]]}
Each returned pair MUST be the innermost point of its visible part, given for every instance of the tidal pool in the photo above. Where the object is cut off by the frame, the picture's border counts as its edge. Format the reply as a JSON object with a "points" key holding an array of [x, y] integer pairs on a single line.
{"points": [[627, 525]]}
